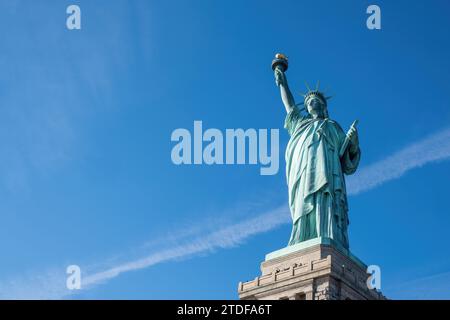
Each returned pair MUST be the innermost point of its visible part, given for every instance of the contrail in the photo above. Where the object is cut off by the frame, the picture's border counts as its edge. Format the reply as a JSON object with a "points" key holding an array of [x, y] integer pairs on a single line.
{"points": [[433, 148], [223, 238]]}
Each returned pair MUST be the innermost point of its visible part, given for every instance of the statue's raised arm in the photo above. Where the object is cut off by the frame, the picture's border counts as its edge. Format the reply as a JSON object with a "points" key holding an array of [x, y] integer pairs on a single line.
{"points": [[279, 66]]}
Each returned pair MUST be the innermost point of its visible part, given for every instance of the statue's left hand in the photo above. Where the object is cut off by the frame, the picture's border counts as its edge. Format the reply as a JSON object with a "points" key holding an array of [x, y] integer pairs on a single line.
{"points": [[354, 141]]}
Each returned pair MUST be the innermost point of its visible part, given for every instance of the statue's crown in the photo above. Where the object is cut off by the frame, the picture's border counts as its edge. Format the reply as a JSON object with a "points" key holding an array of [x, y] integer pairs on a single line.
{"points": [[316, 93]]}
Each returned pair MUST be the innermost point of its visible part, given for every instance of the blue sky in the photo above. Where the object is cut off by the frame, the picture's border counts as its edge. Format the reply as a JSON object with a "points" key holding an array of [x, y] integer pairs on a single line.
{"points": [[86, 117]]}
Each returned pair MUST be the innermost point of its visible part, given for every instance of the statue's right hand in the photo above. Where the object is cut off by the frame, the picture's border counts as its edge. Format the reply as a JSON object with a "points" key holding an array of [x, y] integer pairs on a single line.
{"points": [[279, 77]]}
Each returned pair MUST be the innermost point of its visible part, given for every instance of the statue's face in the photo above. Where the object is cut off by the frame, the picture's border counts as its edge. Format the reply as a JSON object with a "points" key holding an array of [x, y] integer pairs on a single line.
{"points": [[316, 107]]}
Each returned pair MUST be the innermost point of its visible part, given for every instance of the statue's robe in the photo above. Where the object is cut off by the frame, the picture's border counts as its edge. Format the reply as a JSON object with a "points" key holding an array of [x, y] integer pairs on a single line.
{"points": [[315, 177]]}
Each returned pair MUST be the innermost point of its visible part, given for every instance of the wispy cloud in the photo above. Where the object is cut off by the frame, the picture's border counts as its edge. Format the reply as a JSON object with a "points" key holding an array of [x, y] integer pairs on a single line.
{"points": [[433, 148], [43, 285], [226, 237], [52, 284], [433, 287]]}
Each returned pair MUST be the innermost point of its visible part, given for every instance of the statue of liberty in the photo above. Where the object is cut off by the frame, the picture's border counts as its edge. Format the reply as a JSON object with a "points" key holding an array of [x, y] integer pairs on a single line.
{"points": [[318, 155]]}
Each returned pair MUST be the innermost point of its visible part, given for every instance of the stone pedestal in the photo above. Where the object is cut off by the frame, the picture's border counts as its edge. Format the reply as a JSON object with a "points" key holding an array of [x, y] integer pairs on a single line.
{"points": [[312, 270]]}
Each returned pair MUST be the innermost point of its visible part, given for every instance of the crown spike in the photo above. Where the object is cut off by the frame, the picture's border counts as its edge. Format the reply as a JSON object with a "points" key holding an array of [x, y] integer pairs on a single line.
{"points": [[307, 86], [318, 85]]}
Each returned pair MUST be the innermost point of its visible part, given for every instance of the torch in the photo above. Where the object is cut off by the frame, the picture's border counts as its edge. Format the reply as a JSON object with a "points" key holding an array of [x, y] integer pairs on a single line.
{"points": [[280, 62]]}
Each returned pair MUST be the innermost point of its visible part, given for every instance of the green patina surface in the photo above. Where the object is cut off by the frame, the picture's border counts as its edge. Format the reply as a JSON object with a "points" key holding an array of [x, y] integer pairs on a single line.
{"points": [[311, 243], [318, 155]]}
